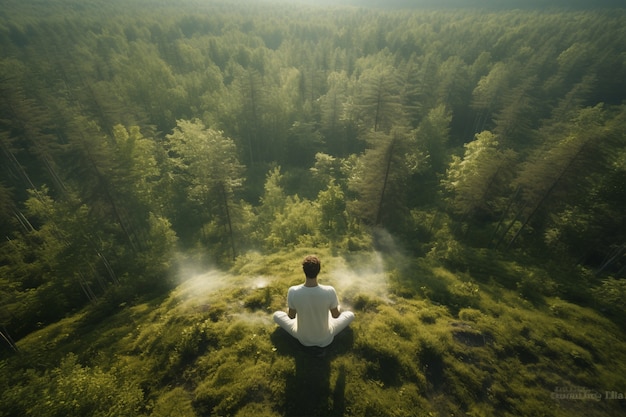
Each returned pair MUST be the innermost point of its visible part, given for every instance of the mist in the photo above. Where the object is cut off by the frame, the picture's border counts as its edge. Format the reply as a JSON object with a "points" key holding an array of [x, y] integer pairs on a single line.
{"points": [[368, 279]]}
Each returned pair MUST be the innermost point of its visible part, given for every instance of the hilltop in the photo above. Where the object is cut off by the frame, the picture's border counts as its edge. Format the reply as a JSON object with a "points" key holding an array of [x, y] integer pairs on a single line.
{"points": [[426, 342]]}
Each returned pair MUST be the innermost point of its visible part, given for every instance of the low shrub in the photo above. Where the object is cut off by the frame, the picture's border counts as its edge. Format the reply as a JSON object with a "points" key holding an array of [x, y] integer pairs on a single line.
{"points": [[610, 298]]}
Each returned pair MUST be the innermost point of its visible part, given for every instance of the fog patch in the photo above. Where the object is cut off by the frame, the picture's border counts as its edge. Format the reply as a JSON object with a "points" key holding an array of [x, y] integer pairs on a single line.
{"points": [[202, 284], [259, 282], [366, 277], [367, 274], [201, 289], [257, 318]]}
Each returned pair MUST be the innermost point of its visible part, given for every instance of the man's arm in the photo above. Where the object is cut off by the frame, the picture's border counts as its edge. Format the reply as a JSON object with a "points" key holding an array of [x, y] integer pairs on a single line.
{"points": [[335, 312], [292, 313]]}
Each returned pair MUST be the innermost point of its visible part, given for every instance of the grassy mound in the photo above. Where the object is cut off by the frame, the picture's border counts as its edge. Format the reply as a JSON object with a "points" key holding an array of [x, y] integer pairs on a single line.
{"points": [[426, 342]]}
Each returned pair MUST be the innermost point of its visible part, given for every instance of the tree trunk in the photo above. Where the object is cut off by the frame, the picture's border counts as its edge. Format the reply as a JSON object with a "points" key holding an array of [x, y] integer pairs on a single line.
{"points": [[382, 193], [545, 196], [7, 338], [228, 219], [504, 213]]}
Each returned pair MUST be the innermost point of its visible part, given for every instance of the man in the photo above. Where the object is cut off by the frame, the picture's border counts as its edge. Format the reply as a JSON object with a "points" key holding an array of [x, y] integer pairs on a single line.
{"points": [[314, 317]]}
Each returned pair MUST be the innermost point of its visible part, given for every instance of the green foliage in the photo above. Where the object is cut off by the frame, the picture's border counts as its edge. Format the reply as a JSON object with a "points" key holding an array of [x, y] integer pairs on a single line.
{"points": [[333, 215], [432, 136], [489, 145], [480, 176], [295, 225], [281, 93], [568, 163], [609, 296], [207, 166], [378, 98], [534, 285], [210, 347], [74, 390], [381, 175], [174, 403]]}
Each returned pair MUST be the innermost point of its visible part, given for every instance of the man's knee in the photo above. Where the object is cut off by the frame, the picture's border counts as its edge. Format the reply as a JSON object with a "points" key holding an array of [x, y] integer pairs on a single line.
{"points": [[279, 317], [342, 321], [348, 317]]}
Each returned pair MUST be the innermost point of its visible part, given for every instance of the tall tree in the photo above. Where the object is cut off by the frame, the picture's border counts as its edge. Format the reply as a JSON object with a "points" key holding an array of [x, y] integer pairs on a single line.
{"points": [[477, 180], [333, 123], [379, 98], [90, 169], [515, 120], [432, 137], [453, 85], [488, 94], [136, 165], [333, 215], [272, 202], [381, 174], [252, 98], [208, 166], [564, 167], [411, 92]]}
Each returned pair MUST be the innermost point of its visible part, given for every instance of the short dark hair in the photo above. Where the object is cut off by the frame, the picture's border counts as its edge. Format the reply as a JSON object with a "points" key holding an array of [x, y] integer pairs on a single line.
{"points": [[311, 266]]}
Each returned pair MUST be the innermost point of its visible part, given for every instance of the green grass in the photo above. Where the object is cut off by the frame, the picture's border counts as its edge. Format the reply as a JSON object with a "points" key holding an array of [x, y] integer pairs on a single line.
{"points": [[429, 342]]}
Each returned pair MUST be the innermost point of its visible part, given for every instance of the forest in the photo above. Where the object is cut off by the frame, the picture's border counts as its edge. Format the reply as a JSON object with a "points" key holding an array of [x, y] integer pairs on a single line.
{"points": [[165, 164]]}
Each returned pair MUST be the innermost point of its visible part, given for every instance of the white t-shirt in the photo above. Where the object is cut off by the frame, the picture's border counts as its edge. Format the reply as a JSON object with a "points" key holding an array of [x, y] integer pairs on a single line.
{"points": [[312, 305]]}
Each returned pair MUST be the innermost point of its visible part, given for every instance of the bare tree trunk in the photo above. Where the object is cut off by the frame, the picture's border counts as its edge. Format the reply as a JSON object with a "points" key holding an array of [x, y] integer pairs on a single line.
{"points": [[130, 235], [611, 258], [387, 170], [510, 226], [228, 219], [7, 338], [504, 213]]}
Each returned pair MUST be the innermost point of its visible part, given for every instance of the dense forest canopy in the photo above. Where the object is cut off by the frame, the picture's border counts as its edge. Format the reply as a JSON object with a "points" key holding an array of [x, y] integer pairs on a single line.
{"points": [[137, 136], [129, 131]]}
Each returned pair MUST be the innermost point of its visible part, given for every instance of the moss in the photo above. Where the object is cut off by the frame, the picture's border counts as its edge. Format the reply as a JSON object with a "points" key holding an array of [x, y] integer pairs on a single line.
{"points": [[174, 403], [259, 299], [211, 348], [363, 302], [470, 314]]}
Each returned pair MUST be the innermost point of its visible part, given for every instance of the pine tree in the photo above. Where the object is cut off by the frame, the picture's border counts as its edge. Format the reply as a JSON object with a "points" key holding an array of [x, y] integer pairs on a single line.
{"points": [[381, 175], [564, 167], [206, 162], [480, 177], [379, 98]]}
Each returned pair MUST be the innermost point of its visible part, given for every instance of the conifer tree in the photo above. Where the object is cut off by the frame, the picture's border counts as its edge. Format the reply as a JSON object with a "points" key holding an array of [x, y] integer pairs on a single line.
{"points": [[487, 95], [333, 215], [381, 175], [432, 137], [565, 166], [207, 164], [379, 98], [480, 177], [252, 98], [333, 121]]}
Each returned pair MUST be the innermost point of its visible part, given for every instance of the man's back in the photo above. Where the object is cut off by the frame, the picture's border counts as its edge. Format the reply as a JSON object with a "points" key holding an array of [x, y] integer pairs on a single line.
{"points": [[314, 317], [313, 305]]}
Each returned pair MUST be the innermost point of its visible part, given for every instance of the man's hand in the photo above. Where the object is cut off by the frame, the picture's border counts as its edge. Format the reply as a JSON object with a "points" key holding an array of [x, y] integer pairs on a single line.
{"points": [[335, 312], [292, 313]]}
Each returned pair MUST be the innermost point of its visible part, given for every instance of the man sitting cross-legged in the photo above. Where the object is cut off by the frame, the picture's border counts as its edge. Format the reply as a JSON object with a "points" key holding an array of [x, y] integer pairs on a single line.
{"points": [[313, 316]]}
